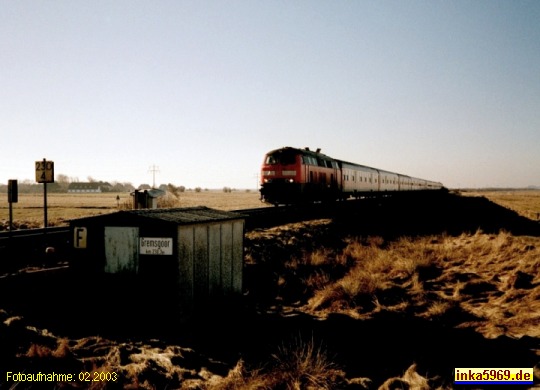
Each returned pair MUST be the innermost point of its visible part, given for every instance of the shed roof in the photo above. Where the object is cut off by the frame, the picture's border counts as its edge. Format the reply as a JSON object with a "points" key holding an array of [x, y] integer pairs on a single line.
{"points": [[179, 216]]}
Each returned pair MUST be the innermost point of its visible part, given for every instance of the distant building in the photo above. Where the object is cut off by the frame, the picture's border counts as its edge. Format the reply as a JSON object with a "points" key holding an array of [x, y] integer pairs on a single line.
{"points": [[97, 186]]}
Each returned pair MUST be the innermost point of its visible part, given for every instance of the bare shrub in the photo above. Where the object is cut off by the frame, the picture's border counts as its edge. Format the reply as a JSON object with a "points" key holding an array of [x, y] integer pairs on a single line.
{"points": [[298, 365], [303, 365]]}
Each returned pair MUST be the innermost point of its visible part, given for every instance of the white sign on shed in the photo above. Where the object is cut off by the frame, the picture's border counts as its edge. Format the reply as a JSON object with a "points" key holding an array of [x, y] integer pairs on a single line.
{"points": [[156, 246]]}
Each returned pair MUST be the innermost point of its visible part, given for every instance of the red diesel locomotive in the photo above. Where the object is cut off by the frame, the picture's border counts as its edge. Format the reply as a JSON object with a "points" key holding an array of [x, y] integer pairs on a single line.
{"points": [[291, 175]]}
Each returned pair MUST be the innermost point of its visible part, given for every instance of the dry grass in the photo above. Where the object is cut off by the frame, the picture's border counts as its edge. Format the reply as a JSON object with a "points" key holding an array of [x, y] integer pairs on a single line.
{"points": [[304, 365], [60, 351], [376, 276], [492, 277], [240, 378], [410, 380], [495, 277], [298, 365], [524, 202]]}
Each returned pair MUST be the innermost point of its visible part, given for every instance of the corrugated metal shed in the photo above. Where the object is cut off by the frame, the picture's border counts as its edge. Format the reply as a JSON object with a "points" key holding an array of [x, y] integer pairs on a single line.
{"points": [[178, 216], [192, 255]]}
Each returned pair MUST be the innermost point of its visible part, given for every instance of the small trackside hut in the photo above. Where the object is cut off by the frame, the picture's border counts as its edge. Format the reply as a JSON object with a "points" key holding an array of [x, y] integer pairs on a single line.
{"points": [[186, 257]]}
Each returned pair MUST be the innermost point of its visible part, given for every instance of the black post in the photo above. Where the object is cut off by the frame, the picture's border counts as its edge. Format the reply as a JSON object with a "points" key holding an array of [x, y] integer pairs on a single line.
{"points": [[45, 204], [45, 195], [10, 216], [13, 197]]}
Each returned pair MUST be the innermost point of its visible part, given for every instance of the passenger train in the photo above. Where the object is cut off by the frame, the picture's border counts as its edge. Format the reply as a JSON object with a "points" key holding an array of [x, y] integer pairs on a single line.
{"points": [[292, 175]]}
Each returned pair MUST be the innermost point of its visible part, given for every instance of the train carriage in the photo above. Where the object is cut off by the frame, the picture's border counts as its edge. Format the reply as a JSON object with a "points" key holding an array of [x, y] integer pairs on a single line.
{"points": [[291, 175], [358, 179], [405, 183], [388, 181]]}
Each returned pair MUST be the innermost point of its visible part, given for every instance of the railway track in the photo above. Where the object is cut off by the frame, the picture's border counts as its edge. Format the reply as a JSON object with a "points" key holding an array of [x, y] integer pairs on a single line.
{"points": [[4, 236], [28, 247], [24, 248]]}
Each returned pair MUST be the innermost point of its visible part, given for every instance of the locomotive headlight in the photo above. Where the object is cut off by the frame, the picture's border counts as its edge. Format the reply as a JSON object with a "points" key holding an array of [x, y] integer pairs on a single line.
{"points": [[291, 180]]}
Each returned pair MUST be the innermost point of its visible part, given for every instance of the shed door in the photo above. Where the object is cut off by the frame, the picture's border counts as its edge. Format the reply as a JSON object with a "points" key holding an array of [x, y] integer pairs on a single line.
{"points": [[121, 249]]}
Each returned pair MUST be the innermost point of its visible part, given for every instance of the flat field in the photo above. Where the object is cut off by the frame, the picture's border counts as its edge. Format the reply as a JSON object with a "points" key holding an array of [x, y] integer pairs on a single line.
{"points": [[28, 212], [524, 202]]}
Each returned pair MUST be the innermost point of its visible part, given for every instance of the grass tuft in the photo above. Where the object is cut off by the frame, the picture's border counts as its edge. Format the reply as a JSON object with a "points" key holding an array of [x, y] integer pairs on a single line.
{"points": [[304, 365]]}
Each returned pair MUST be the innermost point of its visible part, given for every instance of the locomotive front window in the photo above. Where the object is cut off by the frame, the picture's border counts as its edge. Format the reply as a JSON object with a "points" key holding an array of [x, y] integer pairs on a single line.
{"points": [[281, 157], [270, 160]]}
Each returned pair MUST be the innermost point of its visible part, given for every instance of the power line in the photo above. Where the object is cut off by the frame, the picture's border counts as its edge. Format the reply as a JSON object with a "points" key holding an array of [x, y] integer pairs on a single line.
{"points": [[256, 177]]}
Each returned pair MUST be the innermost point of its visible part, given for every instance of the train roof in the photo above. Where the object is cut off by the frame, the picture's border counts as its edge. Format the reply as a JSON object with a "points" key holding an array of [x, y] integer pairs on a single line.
{"points": [[304, 151], [317, 153]]}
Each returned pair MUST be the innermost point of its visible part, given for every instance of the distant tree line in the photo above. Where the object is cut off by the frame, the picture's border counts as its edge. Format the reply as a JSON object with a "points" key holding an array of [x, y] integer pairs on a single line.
{"points": [[28, 187], [62, 182]]}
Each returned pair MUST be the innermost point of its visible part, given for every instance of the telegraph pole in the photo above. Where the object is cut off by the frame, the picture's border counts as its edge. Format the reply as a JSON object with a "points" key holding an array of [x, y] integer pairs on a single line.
{"points": [[256, 177], [153, 169]]}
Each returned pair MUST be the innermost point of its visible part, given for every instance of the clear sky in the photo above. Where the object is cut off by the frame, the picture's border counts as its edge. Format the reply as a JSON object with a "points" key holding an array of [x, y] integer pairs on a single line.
{"points": [[441, 90]]}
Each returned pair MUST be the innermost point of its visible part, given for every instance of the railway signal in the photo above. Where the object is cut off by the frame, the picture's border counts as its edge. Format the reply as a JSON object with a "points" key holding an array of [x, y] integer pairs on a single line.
{"points": [[13, 197]]}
